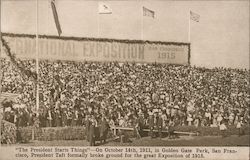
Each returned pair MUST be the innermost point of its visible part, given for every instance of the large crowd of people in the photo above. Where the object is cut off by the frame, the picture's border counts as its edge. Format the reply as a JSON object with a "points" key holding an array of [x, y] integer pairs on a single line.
{"points": [[127, 94]]}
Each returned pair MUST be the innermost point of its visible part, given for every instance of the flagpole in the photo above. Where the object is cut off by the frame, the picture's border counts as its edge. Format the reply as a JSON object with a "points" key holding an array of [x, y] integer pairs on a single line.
{"points": [[37, 62], [142, 23], [98, 19], [189, 28], [0, 65], [0, 47], [189, 35], [98, 25], [48, 22]]}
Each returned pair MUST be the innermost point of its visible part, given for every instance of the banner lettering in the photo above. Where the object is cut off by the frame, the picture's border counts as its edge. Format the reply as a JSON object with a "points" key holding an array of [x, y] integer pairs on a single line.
{"points": [[95, 50]]}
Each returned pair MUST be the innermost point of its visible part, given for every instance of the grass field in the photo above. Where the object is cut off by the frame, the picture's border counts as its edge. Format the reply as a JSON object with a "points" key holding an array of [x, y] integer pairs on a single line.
{"points": [[146, 141]]}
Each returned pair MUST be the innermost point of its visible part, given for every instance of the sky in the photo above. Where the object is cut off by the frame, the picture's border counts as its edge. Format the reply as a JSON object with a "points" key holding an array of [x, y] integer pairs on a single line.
{"points": [[219, 39]]}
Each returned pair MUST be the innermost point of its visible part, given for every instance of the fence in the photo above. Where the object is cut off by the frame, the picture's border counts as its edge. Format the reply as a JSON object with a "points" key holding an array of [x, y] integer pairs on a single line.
{"points": [[79, 133]]}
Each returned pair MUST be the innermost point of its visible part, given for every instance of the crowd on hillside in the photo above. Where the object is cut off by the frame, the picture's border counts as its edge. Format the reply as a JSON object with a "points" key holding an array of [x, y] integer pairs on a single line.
{"points": [[127, 94]]}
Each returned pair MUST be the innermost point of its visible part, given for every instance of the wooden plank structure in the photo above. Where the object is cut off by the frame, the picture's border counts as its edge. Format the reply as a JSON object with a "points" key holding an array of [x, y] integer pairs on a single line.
{"points": [[115, 128]]}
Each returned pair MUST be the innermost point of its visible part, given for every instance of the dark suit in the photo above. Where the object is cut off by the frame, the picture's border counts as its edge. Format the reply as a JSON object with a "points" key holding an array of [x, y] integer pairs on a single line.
{"points": [[171, 129], [74, 119], [151, 125], [57, 119], [141, 124], [104, 130], [159, 125], [87, 125], [92, 134], [64, 119], [49, 118]]}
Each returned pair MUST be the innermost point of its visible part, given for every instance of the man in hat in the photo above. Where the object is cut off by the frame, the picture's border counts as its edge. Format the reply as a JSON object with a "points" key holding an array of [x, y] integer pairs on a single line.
{"points": [[151, 124], [159, 124], [75, 117], [223, 128], [92, 126], [87, 125], [64, 118], [49, 118], [57, 118], [104, 129], [141, 123], [171, 125], [239, 126], [136, 126]]}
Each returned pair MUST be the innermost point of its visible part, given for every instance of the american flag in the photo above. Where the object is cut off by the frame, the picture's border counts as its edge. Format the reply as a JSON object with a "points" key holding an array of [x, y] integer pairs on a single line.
{"points": [[194, 16], [148, 12], [104, 8]]}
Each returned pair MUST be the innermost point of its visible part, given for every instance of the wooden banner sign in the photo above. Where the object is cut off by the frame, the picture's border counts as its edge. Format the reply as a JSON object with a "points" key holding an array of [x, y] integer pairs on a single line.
{"points": [[93, 49]]}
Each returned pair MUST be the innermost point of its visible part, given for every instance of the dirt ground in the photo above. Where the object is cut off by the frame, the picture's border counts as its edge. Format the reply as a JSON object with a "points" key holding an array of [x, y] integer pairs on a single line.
{"points": [[147, 141]]}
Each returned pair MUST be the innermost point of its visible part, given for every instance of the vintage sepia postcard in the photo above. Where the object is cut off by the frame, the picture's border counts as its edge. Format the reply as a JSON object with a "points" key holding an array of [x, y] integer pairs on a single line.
{"points": [[124, 79]]}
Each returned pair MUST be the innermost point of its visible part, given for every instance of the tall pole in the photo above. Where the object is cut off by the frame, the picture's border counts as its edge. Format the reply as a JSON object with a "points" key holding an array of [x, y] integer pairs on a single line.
{"points": [[1, 71], [189, 28], [37, 54], [189, 35], [0, 67], [98, 23], [142, 22], [48, 21]]}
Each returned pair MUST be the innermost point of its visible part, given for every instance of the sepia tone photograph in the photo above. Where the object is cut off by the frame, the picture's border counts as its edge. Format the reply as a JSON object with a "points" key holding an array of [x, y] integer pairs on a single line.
{"points": [[124, 73]]}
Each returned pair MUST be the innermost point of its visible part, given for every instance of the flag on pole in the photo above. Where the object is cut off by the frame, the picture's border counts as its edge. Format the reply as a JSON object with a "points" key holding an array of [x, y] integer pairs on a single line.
{"points": [[104, 8], [148, 12], [194, 16], [58, 27]]}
